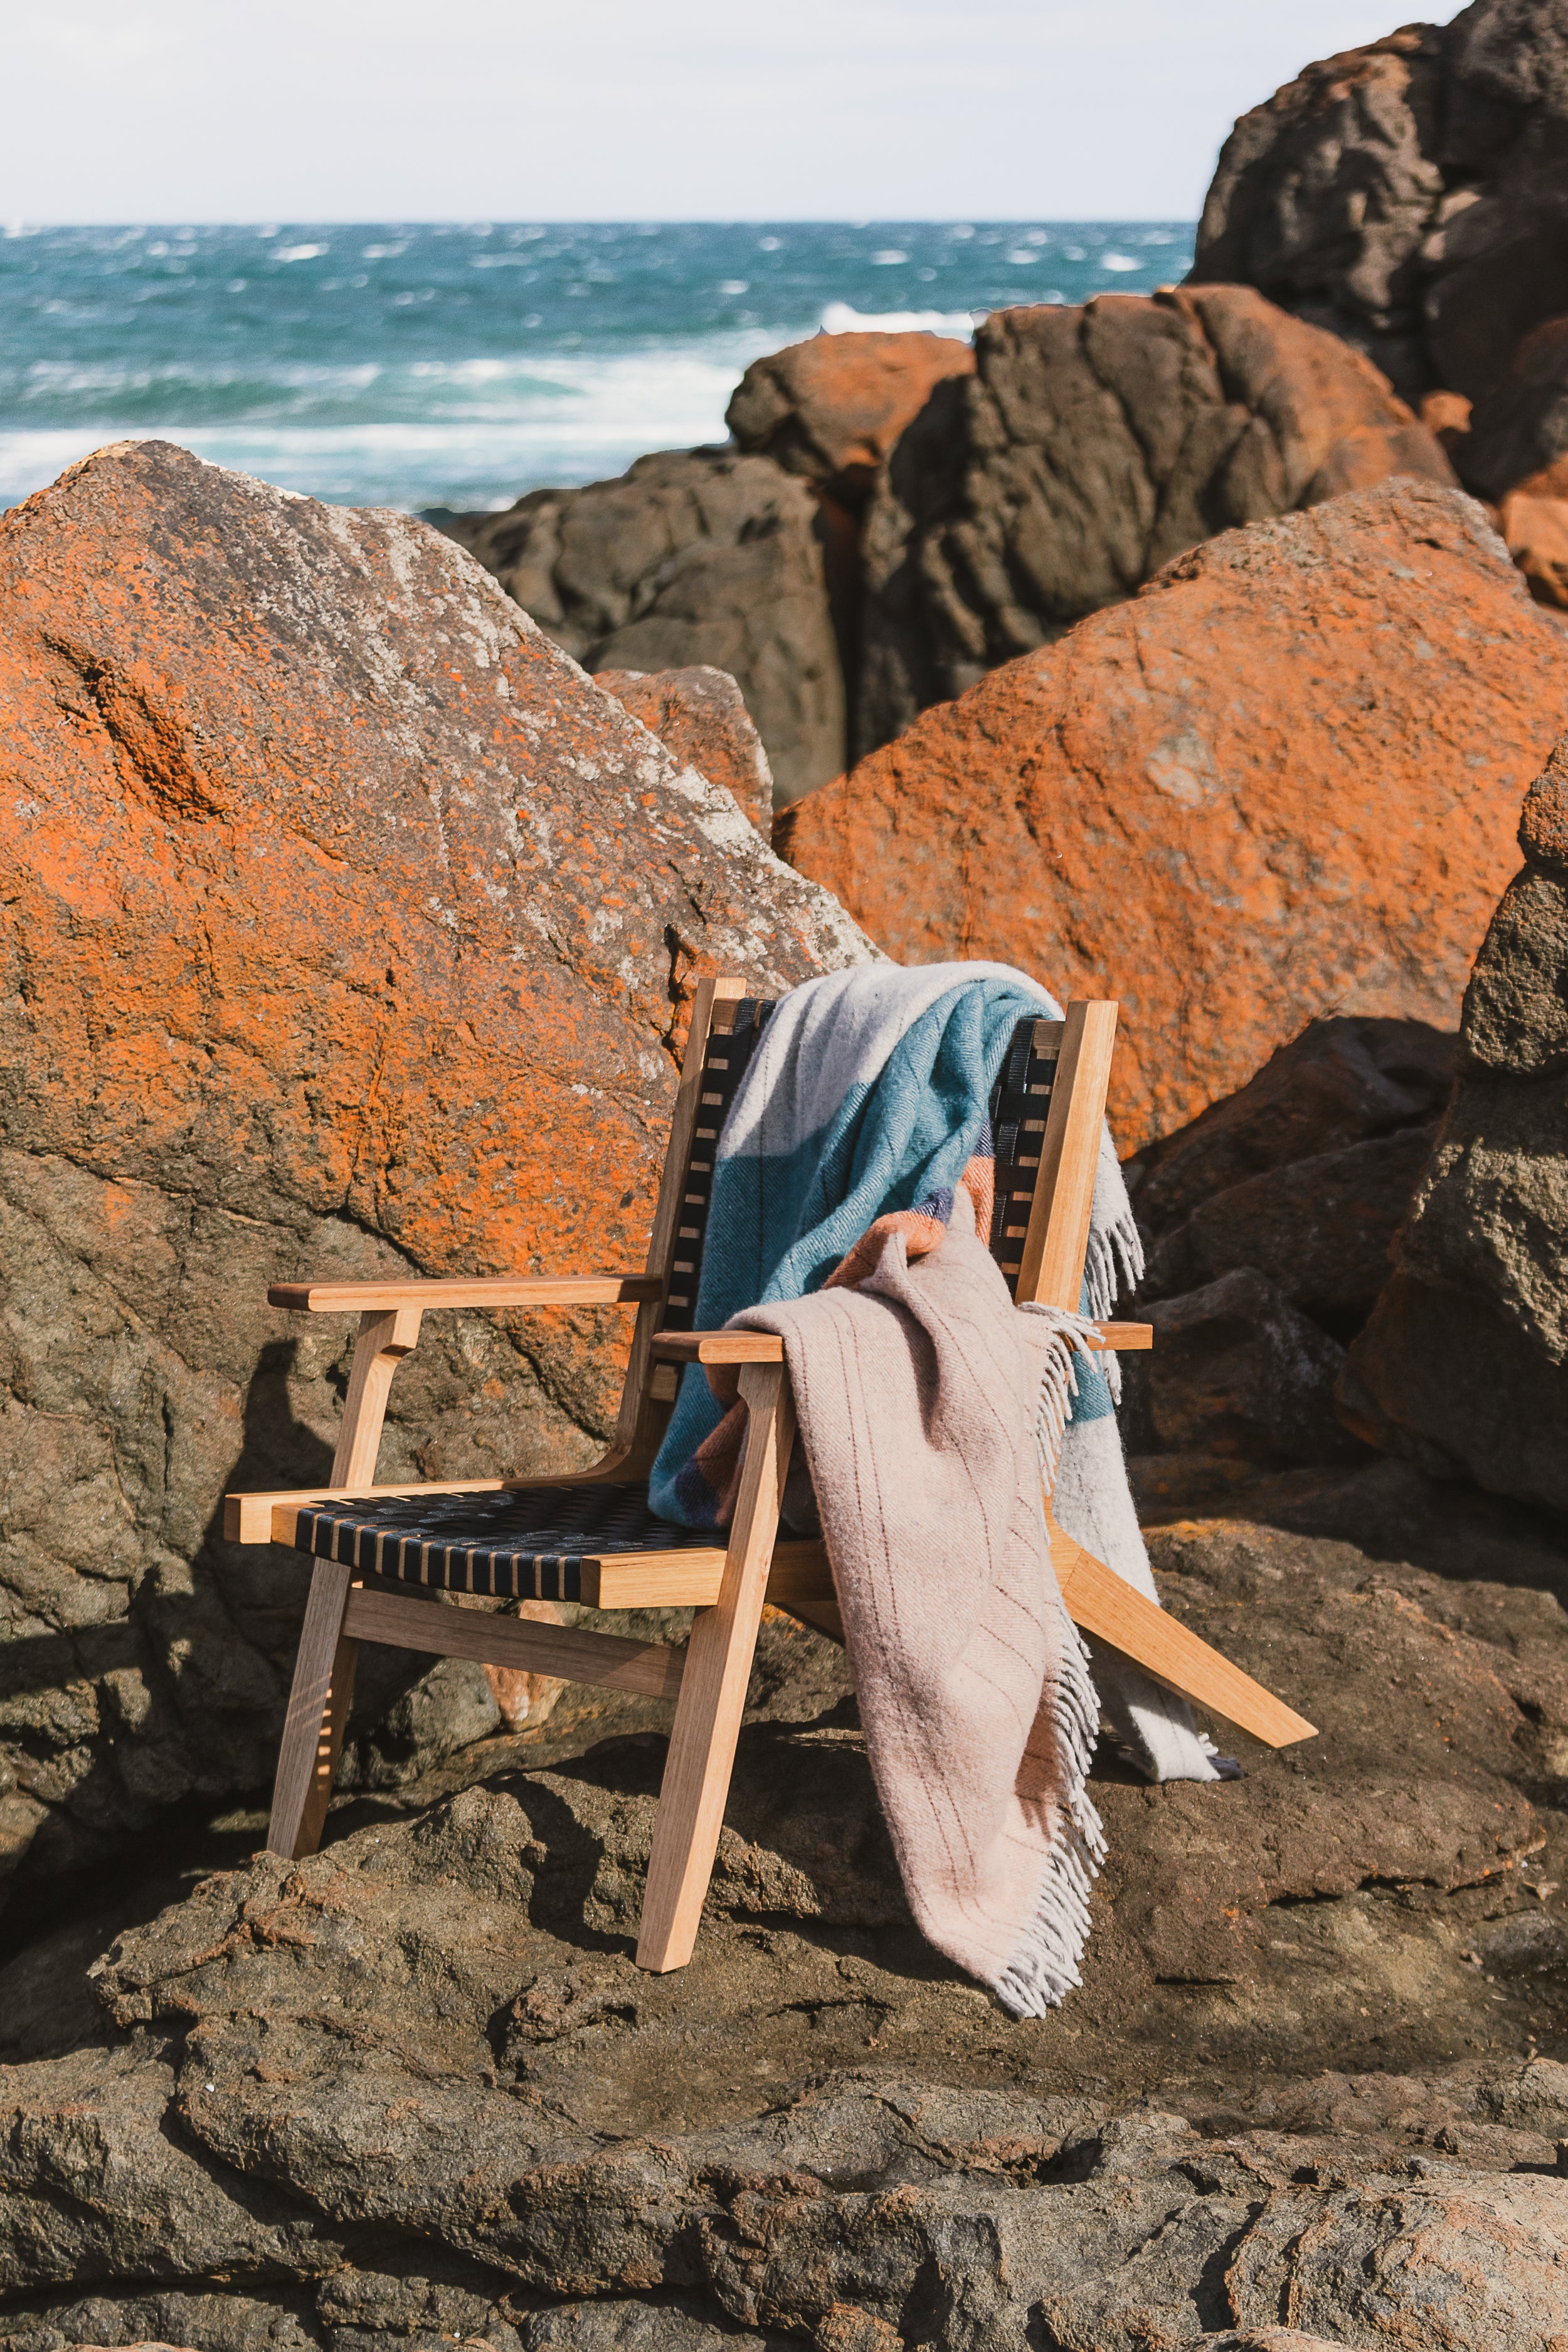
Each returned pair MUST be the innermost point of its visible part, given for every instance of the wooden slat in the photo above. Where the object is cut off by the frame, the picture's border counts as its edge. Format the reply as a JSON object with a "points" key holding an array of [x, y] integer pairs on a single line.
{"points": [[497, 1290], [256, 1519], [689, 1580], [719, 1348], [713, 1693], [1050, 1266], [318, 1709], [1124, 1338], [1113, 1611], [651, 1667], [385, 1337], [654, 1579], [766, 1348], [802, 1582]]}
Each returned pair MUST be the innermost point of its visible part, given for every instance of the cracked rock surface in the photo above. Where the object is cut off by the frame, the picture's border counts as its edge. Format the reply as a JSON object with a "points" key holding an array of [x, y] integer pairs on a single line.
{"points": [[349, 931], [1410, 193], [1092, 445], [413, 2089]]}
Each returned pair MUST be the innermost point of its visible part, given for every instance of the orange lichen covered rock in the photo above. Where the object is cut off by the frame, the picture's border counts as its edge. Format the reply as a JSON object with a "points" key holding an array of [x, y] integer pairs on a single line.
{"points": [[699, 714], [833, 407], [1284, 780], [348, 929], [1536, 529]]}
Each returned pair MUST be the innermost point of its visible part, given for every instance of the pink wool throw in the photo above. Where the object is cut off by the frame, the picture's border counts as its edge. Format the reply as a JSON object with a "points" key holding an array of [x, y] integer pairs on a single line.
{"points": [[930, 1409]]}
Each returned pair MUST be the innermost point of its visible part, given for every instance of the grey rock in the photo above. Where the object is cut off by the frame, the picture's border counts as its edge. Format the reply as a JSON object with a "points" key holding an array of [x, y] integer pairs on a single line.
{"points": [[1411, 194], [97, 2185], [1319, 1229], [1268, 1223], [1344, 1081], [1464, 1365], [1091, 447], [1236, 1370], [691, 557], [283, 2321], [1518, 428], [614, 2325], [414, 2091]]}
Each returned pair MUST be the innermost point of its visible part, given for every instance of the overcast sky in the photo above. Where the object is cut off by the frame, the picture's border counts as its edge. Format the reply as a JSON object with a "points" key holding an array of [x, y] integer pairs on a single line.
{"points": [[176, 110]]}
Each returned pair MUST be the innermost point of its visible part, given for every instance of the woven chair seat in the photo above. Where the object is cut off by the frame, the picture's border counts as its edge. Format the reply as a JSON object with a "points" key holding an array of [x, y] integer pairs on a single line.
{"points": [[525, 1543]]}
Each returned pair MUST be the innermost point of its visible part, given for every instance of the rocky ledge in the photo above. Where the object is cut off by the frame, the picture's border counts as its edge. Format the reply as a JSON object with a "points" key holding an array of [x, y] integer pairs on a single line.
{"points": [[414, 2090]]}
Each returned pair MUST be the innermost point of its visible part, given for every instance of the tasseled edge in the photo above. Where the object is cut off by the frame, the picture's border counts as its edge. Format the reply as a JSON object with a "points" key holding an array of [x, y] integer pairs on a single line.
{"points": [[1113, 1265], [1044, 1969]]}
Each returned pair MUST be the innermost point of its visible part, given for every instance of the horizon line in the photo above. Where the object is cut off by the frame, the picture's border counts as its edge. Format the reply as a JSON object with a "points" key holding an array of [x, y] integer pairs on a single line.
{"points": [[20, 225]]}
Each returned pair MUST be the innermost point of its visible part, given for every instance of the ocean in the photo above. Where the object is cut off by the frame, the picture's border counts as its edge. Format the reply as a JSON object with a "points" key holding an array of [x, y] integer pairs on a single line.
{"points": [[391, 364]]}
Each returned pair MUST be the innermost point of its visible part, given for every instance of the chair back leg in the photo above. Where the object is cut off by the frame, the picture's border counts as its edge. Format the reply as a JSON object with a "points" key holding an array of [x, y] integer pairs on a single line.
{"points": [[318, 1715], [713, 1687]]}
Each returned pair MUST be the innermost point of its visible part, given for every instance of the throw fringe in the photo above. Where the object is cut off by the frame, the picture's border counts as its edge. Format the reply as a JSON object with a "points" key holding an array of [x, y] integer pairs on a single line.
{"points": [[1044, 1969], [1058, 1380], [1112, 1267]]}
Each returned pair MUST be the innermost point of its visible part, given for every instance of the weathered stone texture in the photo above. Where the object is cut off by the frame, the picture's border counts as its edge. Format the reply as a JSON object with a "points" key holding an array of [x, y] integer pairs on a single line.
{"points": [[348, 930], [415, 2087], [1282, 782], [700, 716], [832, 409], [691, 557], [1236, 1370], [1516, 439], [1411, 194], [1464, 1365], [1091, 446]]}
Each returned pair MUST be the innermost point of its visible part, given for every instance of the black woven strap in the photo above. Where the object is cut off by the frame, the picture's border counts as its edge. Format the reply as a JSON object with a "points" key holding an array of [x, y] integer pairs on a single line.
{"points": [[724, 1065], [526, 1543], [1019, 1101]]}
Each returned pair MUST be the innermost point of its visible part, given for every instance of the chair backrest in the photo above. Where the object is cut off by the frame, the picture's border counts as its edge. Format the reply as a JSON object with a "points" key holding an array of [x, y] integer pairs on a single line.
{"points": [[1046, 1113]]}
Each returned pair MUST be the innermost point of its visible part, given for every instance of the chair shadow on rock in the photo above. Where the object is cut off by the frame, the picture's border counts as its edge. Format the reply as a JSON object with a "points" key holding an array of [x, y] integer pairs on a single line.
{"points": [[393, 1564], [266, 1598]]}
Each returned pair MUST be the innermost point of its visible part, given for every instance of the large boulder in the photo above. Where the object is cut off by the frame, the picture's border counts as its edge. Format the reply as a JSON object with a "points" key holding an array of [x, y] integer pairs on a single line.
{"points": [[1283, 782], [1093, 444], [901, 512], [1412, 194], [1464, 1365], [348, 929], [1267, 1225], [1341, 1086], [691, 557]]}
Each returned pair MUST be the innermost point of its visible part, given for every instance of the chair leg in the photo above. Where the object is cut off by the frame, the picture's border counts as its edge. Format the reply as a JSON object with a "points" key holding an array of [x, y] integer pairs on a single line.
{"points": [[713, 1687], [318, 1715], [324, 1683]]}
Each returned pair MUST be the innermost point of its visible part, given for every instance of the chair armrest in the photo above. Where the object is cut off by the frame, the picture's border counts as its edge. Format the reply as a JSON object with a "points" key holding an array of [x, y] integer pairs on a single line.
{"points": [[1122, 1336], [719, 1347], [496, 1290], [767, 1348]]}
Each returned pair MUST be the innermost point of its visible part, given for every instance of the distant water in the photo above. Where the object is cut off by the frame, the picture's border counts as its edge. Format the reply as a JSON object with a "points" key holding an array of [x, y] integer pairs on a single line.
{"points": [[399, 365]]}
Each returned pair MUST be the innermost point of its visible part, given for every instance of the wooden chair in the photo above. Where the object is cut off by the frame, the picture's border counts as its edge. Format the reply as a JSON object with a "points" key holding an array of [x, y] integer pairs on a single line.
{"points": [[384, 1555]]}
